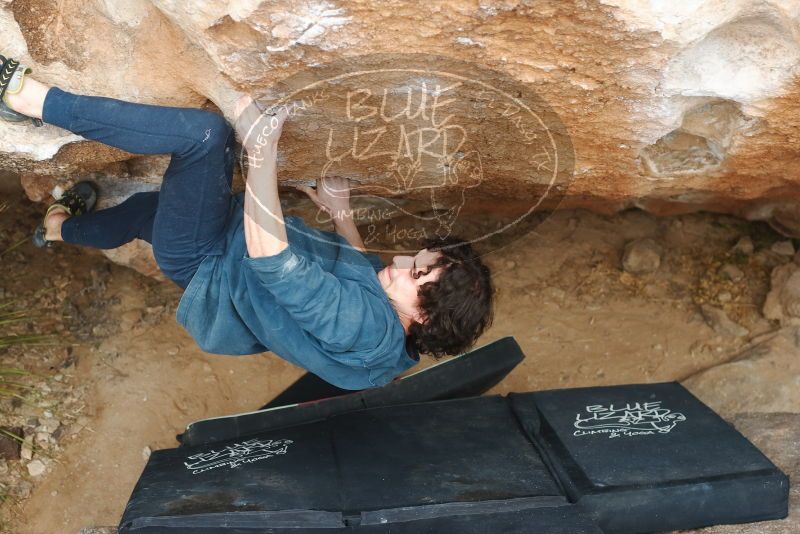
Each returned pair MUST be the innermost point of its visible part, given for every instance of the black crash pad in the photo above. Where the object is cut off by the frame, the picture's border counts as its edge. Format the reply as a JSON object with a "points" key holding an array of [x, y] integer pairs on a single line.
{"points": [[651, 457], [469, 374], [626, 459], [449, 466]]}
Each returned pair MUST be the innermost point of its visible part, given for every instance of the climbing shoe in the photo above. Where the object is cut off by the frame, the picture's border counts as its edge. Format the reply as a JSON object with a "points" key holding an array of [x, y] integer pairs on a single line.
{"points": [[12, 76], [77, 200]]}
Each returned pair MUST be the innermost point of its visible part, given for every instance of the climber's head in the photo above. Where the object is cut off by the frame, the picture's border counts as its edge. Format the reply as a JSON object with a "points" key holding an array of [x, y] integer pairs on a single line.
{"points": [[443, 295]]}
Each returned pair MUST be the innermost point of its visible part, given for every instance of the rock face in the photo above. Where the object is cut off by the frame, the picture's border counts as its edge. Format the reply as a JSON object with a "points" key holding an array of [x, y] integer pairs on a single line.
{"points": [[765, 377], [783, 300], [719, 321], [667, 106]]}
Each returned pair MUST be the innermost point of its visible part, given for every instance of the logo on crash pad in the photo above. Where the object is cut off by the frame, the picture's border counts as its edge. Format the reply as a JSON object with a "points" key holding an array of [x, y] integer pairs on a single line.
{"points": [[237, 454], [637, 419]]}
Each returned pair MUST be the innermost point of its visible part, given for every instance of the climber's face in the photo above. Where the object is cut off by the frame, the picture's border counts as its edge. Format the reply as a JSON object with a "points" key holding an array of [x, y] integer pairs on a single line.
{"points": [[403, 278]]}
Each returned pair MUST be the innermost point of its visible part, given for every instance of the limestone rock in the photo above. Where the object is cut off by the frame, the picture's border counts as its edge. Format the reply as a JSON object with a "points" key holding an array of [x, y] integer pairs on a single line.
{"points": [[26, 450], [36, 468], [672, 107], [49, 425], [783, 300], [732, 272], [765, 377], [21, 490], [10, 448], [783, 248], [719, 321], [642, 256], [744, 246]]}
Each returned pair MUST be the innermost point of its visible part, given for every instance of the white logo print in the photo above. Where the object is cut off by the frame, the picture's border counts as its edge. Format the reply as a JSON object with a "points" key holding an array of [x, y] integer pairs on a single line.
{"points": [[237, 454], [629, 420]]}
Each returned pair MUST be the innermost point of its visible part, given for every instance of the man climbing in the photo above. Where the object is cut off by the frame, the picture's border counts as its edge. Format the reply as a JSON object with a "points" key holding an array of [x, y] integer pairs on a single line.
{"points": [[254, 280]]}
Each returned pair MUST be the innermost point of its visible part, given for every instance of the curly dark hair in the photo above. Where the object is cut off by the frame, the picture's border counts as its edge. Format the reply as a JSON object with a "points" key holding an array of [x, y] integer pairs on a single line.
{"points": [[458, 306]]}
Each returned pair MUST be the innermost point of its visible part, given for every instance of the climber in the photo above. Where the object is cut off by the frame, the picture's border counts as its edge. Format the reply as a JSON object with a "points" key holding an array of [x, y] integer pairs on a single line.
{"points": [[253, 280]]}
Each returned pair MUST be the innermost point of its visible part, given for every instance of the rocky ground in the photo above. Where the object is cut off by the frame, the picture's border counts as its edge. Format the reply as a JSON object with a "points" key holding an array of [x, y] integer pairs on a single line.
{"points": [[591, 299]]}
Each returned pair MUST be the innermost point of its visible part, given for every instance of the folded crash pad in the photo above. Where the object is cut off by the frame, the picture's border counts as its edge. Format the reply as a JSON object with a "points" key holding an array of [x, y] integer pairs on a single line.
{"points": [[651, 457], [624, 459], [466, 375], [450, 466]]}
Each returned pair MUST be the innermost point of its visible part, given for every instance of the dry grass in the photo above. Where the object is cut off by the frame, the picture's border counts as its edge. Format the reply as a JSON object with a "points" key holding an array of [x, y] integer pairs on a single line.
{"points": [[9, 318]]}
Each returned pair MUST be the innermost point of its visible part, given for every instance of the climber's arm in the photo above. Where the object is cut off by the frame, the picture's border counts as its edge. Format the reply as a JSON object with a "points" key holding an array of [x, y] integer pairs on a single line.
{"points": [[332, 195], [264, 227], [346, 227]]}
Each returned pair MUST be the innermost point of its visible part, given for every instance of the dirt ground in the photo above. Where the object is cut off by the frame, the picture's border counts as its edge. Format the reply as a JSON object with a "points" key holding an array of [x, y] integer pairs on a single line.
{"points": [[121, 377]]}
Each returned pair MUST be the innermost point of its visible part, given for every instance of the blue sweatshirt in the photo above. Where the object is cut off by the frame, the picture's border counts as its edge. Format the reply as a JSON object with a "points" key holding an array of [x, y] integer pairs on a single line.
{"points": [[318, 304]]}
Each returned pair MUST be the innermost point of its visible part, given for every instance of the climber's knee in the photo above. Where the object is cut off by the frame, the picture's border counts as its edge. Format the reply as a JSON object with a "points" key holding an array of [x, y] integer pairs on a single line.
{"points": [[210, 132]]}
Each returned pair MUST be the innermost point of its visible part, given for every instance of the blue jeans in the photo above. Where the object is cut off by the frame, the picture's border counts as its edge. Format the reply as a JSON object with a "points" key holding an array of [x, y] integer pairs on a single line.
{"points": [[185, 221]]}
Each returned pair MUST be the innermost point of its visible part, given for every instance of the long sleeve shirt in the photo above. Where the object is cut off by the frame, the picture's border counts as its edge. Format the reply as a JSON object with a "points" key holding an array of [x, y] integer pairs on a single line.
{"points": [[318, 304]]}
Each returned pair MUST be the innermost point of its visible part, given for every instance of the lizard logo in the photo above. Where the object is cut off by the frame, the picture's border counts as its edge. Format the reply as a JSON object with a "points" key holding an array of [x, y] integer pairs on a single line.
{"points": [[640, 418]]}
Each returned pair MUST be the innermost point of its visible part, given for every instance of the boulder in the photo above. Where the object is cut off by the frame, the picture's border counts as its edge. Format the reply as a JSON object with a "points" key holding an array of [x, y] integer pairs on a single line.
{"points": [[783, 300], [744, 246], [671, 107], [642, 256], [764, 377], [719, 321]]}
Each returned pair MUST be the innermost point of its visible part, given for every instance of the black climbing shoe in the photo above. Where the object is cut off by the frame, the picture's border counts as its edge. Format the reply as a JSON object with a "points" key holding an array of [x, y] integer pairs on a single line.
{"points": [[77, 200], [12, 74]]}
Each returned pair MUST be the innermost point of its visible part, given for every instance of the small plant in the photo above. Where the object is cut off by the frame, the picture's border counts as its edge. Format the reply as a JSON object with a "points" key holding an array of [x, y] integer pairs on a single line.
{"points": [[3, 207], [11, 385], [12, 436], [8, 318], [14, 246]]}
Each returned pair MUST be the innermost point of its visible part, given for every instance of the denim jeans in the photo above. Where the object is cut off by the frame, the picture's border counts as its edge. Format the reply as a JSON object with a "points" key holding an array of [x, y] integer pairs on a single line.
{"points": [[186, 220]]}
